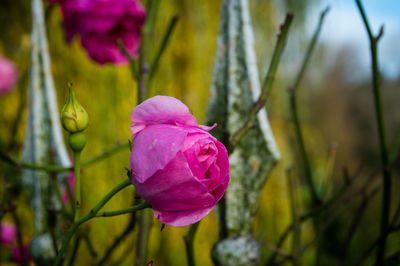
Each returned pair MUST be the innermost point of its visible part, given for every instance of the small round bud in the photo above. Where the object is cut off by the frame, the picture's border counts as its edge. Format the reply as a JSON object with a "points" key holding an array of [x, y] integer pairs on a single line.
{"points": [[74, 117], [77, 141]]}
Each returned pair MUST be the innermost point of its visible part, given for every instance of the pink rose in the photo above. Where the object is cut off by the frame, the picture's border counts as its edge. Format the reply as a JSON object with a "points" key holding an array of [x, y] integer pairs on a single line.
{"points": [[8, 75], [17, 256], [71, 184], [177, 166], [101, 23], [7, 233]]}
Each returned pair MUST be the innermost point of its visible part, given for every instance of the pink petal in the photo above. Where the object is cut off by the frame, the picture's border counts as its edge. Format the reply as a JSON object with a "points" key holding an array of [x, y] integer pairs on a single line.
{"points": [[161, 110], [175, 188], [184, 218], [154, 148], [8, 232]]}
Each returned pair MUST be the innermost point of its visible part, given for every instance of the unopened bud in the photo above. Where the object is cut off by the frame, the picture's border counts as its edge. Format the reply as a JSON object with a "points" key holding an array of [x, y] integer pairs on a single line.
{"points": [[74, 117]]}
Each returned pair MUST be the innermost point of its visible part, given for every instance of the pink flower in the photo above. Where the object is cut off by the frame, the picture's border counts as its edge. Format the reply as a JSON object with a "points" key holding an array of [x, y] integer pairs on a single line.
{"points": [[177, 166], [101, 23], [17, 256], [71, 183], [7, 233], [8, 75]]}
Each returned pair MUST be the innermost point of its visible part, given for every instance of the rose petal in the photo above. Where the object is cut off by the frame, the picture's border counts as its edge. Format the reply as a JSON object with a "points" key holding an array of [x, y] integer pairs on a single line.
{"points": [[161, 110], [154, 148], [175, 188], [181, 219]]}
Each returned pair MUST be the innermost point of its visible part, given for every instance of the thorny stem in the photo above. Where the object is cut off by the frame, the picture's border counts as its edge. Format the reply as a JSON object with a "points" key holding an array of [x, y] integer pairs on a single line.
{"points": [[386, 175], [267, 84], [189, 239], [91, 214]]}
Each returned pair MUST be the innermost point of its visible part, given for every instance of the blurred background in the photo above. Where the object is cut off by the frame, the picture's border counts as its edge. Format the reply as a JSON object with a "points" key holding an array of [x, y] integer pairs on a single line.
{"points": [[336, 112]]}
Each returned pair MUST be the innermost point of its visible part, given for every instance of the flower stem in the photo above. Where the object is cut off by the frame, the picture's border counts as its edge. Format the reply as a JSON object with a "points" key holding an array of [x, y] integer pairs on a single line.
{"points": [[386, 175], [77, 171], [91, 214], [189, 239], [140, 206]]}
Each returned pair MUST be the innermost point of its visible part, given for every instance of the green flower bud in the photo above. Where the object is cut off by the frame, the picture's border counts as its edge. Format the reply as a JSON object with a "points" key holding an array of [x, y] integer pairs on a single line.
{"points": [[77, 141], [74, 117]]}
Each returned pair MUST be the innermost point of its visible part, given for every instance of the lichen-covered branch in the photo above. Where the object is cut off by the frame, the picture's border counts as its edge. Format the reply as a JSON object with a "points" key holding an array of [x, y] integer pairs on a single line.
{"points": [[234, 90], [43, 143]]}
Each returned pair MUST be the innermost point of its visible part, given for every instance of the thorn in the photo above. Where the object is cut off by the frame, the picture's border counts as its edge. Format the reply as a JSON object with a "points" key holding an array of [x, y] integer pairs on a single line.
{"points": [[162, 227]]}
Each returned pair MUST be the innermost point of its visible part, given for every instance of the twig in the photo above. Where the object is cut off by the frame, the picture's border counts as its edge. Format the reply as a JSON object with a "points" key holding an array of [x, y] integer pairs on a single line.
{"points": [[316, 211], [129, 228], [132, 63], [296, 241], [386, 175], [354, 224], [279, 251], [75, 250], [89, 244], [293, 107], [268, 82], [189, 239]]}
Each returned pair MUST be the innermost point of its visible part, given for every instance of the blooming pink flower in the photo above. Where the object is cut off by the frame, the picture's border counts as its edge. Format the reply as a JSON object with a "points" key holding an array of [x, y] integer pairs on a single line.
{"points": [[71, 183], [7, 233], [8, 75], [177, 166], [17, 256], [101, 23]]}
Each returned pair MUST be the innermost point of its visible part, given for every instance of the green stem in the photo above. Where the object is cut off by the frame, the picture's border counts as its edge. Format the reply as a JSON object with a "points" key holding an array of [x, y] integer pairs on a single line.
{"points": [[267, 84], [296, 241], [56, 168], [143, 237], [77, 171], [75, 250], [105, 154], [132, 209], [386, 175], [132, 63], [91, 214], [164, 42], [189, 239]]}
